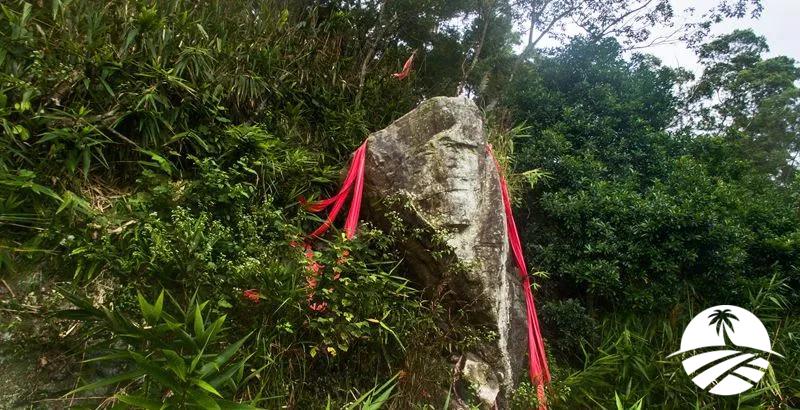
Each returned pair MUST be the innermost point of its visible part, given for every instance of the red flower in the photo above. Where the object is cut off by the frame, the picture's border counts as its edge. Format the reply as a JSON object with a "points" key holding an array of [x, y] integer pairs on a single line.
{"points": [[314, 268], [345, 256], [253, 295], [318, 307]]}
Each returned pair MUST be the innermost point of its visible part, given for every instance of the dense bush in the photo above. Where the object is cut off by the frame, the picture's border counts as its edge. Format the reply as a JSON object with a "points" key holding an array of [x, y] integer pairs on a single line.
{"points": [[159, 144], [634, 216], [638, 224]]}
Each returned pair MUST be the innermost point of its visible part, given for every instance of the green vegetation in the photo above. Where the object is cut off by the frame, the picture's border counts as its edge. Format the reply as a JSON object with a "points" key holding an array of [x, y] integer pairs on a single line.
{"points": [[153, 151]]}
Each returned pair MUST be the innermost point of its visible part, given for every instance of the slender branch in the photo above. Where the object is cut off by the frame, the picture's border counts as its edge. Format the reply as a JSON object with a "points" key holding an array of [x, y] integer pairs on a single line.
{"points": [[608, 28], [532, 43], [551, 25], [11, 291], [380, 27], [535, 16], [658, 41], [465, 73]]}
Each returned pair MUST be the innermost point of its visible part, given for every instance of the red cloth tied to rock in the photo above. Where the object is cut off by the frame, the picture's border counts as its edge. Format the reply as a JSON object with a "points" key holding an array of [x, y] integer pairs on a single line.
{"points": [[354, 183], [537, 360]]}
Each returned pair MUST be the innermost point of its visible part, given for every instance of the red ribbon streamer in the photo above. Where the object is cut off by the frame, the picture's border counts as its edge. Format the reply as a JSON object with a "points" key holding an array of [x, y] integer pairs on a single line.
{"points": [[354, 181], [537, 363], [406, 67]]}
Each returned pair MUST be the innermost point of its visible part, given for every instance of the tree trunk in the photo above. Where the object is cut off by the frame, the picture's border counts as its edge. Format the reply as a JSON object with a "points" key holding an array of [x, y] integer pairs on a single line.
{"points": [[466, 72], [380, 27]]}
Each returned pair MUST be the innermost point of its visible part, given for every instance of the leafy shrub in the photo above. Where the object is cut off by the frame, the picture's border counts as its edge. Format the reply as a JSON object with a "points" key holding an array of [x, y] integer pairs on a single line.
{"points": [[634, 217], [169, 358], [568, 326]]}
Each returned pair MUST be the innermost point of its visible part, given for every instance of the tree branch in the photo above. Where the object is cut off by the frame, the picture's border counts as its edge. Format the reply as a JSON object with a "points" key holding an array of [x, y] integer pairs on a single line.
{"points": [[465, 73], [551, 25], [608, 27], [380, 27]]}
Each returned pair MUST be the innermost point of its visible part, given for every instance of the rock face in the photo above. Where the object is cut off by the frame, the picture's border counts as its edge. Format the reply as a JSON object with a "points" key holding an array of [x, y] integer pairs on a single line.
{"points": [[433, 166]]}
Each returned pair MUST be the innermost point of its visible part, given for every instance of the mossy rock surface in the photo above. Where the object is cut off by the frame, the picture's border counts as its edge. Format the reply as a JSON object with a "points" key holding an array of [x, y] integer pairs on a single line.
{"points": [[434, 164]]}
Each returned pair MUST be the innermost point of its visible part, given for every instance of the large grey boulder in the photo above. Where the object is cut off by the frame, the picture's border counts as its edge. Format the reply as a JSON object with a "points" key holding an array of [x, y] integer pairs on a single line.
{"points": [[432, 169]]}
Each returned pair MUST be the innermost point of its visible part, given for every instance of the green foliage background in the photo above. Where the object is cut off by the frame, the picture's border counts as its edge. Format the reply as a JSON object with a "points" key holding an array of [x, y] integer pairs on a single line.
{"points": [[152, 145]]}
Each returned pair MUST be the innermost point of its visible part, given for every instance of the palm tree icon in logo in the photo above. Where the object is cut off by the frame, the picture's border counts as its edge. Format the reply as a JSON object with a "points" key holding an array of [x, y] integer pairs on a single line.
{"points": [[722, 318], [721, 358]]}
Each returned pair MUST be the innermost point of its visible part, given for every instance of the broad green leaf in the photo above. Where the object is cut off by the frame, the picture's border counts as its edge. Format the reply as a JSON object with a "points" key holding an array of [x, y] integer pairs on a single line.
{"points": [[383, 394], [155, 371], [140, 402], [158, 160], [228, 374], [202, 30], [207, 387], [109, 380], [212, 330], [199, 326], [203, 400], [175, 363], [113, 356], [26, 14], [196, 360], [223, 357], [145, 307], [129, 39], [159, 306]]}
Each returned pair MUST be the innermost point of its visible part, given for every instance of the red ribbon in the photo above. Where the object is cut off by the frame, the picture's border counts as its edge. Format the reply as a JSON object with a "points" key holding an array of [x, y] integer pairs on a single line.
{"points": [[354, 181], [537, 360], [406, 67]]}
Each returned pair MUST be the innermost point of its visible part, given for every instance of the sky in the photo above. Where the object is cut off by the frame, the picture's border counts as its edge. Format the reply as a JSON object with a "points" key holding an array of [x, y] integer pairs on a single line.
{"points": [[779, 23]]}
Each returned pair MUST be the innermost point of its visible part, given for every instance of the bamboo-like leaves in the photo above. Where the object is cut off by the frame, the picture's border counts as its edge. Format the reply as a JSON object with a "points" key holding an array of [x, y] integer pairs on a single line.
{"points": [[221, 359], [375, 397], [110, 380], [168, 353], [151, 313]]}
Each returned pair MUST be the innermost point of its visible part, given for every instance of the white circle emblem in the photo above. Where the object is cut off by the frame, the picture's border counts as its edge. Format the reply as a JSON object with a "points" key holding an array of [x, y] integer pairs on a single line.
{"points": [[725, 350]]}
